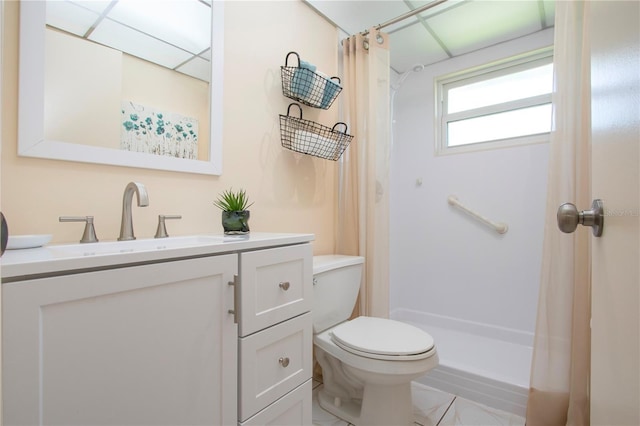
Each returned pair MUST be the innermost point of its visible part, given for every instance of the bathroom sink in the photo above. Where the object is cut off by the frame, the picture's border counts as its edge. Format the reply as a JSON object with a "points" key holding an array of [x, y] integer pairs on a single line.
{"points": [[141, 245]]}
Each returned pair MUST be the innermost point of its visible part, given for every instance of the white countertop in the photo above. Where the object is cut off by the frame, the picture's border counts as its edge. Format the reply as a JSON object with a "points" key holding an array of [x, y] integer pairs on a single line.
{"points": [[56, 259]]}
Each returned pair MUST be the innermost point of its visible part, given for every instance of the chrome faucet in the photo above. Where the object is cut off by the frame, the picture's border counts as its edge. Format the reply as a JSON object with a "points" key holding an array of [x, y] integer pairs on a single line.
{"points": [[126, 226]]}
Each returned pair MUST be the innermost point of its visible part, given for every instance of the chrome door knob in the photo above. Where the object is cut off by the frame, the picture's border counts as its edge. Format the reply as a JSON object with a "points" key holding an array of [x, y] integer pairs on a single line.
{"points": [[569, 217]]}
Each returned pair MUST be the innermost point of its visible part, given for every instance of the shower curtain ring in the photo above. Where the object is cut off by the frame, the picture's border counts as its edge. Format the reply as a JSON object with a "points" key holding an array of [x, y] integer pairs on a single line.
{"points": [[379, 37]]}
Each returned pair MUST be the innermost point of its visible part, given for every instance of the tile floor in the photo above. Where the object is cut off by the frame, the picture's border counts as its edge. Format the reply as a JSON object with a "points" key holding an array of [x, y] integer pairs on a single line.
{"points": [[432, 407]]}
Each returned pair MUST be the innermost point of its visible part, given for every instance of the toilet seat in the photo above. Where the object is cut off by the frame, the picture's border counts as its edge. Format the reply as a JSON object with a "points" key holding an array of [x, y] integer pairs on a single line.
{"points": [[383, 339]]}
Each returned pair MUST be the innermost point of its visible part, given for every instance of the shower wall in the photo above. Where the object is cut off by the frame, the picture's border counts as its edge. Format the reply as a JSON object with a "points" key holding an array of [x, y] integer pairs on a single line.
{"points": [[443, 262]]}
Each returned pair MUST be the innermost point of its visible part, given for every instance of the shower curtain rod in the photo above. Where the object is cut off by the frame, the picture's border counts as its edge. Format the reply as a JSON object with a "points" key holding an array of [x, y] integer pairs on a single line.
{"points": [[407, 15]]}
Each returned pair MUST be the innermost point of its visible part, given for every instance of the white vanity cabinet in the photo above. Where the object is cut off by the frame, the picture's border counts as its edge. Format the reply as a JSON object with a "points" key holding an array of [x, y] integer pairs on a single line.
{"points": [[201, 330], [275, 336], [148, 345]]}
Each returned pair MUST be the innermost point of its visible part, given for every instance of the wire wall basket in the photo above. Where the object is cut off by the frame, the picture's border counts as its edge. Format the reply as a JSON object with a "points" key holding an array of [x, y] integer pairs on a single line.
{"points": [[311, 138], [306, 86]]}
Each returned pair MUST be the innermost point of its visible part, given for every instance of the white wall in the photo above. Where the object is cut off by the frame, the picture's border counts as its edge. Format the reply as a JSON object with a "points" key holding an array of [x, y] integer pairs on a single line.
{"points": [[442, 261]]}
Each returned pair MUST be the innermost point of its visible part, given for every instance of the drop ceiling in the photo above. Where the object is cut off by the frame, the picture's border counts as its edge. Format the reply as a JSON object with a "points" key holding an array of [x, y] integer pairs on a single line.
{"points": [[449, 29], [147, 29], [152, 30]]}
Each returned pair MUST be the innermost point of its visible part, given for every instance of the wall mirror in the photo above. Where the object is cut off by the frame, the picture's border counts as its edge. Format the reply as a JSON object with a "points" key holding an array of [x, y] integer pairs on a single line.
{"points": [[94, 87]]}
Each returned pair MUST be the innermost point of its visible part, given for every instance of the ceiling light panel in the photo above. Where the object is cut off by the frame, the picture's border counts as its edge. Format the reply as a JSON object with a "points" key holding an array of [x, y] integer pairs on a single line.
{"points": [[138, 44], [186, 23], [462, 30], [70, 17]]}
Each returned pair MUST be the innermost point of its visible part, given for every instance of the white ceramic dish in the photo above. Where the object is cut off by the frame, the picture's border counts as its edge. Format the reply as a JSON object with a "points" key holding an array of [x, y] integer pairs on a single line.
{"points": [[17, 242]]}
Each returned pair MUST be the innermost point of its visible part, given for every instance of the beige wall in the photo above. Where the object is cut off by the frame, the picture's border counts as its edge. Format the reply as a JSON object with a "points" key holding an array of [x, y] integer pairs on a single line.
{"points": [[292, 192], [83, 81]]}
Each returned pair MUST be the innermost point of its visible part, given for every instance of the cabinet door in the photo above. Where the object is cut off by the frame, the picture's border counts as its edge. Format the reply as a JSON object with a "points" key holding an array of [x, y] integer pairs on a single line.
{"points": [[152, 345], [275, 285]]}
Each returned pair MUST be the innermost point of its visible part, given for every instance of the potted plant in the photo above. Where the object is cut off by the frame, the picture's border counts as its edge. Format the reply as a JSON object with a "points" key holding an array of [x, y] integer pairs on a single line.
{"points": [[235, 216]]}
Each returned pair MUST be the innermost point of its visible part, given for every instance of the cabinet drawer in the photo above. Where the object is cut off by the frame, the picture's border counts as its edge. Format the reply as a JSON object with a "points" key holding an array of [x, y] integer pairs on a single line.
{"points": [[275, 285], [293, 409], [273, 362]]}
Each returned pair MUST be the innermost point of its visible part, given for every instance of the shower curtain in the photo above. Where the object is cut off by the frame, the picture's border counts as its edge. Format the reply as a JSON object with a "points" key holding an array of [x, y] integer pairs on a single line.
{"points": [[561, 358], [363, 193]]}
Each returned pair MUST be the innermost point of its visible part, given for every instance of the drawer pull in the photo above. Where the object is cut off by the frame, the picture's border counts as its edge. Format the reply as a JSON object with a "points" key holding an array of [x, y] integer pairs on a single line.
{"points": [[236, 298], [284, 285], [284, 361]]}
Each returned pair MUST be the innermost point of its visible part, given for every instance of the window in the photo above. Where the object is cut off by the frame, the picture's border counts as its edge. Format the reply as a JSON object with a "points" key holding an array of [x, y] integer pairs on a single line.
{"points": [[499, 105]]}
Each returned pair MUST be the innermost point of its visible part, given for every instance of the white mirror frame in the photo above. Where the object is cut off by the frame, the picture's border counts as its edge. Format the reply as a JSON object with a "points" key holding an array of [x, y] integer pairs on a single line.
{"points": [[31, 142]]}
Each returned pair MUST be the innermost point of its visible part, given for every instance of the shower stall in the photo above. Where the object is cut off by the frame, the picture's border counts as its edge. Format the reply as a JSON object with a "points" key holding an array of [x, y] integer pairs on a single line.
{"points": [[473, 289]]}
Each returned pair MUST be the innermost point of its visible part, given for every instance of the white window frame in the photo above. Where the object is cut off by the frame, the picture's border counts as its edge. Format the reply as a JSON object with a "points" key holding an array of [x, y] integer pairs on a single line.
{"points": [[485, 72]]}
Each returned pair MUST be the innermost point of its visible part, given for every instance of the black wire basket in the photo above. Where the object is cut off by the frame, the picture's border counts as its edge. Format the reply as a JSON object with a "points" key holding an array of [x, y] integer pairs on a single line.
{"points": [[308, 87], [311, 138]]}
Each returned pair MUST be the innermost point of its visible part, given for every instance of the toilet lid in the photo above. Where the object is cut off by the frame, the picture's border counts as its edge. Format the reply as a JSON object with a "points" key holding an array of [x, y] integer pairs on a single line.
{"points": [[380, 336]]}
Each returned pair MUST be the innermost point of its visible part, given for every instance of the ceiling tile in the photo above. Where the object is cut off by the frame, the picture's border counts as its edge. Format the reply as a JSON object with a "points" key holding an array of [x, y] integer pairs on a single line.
{"points": [[206, 54], [549, 11], [186, 23], [97, 6], [422, 17], [196, 67], [137, 44], [355, 16], [462, 26], [415, 4], [70, 17], [462, 30], [414, 45]]}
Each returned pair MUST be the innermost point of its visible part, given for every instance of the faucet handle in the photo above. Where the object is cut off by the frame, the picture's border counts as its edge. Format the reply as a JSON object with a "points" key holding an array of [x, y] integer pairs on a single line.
{"points": [[161, 232], [89, 235]]}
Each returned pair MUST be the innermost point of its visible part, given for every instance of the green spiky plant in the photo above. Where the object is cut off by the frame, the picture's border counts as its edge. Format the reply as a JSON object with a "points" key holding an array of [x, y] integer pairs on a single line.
{"points": [[233, 201]]}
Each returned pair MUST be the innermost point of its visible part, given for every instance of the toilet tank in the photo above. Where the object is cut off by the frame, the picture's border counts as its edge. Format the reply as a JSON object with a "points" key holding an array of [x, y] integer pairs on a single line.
{"points": [[336, 282]]}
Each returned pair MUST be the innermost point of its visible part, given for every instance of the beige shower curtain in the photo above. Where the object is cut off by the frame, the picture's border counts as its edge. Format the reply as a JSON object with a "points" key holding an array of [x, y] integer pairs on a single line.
{"points": [[561, 358], [363, 193]]}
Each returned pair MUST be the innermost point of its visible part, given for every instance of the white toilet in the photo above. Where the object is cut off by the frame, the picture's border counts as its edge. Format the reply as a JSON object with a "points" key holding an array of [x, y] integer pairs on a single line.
{"points": [[367, 363]]}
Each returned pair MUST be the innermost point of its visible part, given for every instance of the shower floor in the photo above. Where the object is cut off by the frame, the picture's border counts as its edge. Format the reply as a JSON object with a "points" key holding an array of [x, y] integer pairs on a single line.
{"points": [[477, 365]]}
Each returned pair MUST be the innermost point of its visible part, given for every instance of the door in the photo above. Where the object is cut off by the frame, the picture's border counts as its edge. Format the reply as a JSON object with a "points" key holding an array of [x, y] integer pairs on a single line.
{"points": [[615, 331]]}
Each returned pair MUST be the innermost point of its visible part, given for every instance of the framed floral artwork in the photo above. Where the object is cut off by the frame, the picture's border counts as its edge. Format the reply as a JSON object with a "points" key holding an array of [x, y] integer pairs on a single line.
{"points": [[145, 129]]}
